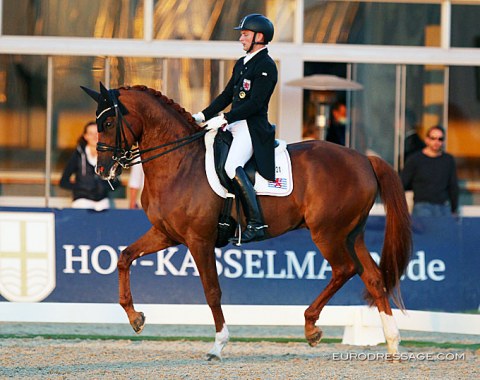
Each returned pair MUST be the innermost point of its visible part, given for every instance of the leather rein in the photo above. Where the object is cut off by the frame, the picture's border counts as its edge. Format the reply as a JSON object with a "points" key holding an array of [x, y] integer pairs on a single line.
{"points": [[123, 152]]}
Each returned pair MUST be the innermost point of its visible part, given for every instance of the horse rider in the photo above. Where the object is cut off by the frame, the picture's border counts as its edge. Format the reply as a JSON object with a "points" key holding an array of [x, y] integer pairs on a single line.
{"points": [[249, 90]]}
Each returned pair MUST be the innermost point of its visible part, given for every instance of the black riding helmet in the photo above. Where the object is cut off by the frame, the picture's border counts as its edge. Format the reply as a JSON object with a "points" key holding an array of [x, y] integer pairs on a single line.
{"points": [[259, 24]]}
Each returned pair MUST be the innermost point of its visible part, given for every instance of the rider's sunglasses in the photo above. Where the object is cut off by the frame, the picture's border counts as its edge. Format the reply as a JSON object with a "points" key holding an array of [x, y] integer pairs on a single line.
{"points": [[436, 138]]}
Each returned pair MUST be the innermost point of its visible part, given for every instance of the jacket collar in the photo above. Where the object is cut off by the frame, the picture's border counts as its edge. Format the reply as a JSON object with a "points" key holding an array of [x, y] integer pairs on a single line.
{"points": [[258, 53]]}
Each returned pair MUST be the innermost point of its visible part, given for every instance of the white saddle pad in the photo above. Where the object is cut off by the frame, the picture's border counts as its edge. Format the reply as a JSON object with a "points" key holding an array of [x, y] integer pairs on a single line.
{"points": [[281, 187]]}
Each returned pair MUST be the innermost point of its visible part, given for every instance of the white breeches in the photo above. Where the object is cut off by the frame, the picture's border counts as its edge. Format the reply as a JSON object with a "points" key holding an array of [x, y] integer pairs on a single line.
{"points": [[100, 205], [241, 150]]}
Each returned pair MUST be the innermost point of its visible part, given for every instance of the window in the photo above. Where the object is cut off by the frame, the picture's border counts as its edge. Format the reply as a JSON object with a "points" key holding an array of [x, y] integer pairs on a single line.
{"points": [[85, 18], [371, 23], [23, 83], [215, 19], [465, 31]]}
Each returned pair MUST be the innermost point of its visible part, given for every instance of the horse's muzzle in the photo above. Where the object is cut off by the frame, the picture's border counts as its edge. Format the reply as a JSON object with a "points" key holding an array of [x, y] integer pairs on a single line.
{"points": [[108, 173]]}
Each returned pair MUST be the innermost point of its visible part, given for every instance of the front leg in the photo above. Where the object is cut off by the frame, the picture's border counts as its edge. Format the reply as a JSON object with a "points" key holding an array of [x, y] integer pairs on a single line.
{"points": [[152, 241], [204, 256]]}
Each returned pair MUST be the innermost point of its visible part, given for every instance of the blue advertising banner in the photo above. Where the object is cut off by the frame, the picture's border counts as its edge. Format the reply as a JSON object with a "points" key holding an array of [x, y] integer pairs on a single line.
{"points": [[288, 270]]}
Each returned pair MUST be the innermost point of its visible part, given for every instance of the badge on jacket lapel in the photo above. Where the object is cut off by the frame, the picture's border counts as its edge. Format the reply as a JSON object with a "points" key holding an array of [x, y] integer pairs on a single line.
{"points": [[247, 84]]}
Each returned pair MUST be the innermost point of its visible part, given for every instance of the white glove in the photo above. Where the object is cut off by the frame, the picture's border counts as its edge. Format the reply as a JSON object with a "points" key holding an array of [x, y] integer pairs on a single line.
{"points": [[217, 122], [199, 118]]}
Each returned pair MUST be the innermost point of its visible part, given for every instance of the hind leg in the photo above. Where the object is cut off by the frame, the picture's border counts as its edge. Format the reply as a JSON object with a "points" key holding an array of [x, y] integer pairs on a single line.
{"points": [[151, 242], [342, 270], [373, 280]]}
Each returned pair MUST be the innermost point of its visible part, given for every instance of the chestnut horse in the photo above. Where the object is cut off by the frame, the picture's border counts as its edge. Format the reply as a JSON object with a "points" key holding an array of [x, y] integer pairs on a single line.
{"points": [[334, 190]]}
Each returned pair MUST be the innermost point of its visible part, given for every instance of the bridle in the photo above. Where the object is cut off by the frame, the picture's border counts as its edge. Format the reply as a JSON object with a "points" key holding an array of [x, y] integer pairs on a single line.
{"points": [[123, 153]]}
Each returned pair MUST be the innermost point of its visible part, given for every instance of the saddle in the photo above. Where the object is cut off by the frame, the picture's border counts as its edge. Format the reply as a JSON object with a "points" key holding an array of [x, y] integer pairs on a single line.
{"points": [[227, 224], [217, 144], [221, 146]]}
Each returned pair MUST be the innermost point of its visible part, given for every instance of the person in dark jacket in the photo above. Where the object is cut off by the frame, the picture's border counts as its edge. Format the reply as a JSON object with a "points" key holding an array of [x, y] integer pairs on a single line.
{"points": [[249, 91], [88, 189], [338, 121], [431, 174]]}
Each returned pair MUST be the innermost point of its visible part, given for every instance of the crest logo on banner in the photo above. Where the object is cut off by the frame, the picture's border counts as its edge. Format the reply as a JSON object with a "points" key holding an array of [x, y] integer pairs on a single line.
{"points": [[27, 256]]}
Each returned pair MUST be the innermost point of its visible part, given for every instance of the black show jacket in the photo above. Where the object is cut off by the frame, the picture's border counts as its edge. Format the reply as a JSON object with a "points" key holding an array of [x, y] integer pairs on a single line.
{"points": [[249, 91]]}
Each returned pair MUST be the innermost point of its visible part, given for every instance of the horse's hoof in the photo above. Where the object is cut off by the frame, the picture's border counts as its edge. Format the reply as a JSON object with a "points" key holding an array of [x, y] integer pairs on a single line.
{"points": [[314, 338], [213, 357], [138, 323]]}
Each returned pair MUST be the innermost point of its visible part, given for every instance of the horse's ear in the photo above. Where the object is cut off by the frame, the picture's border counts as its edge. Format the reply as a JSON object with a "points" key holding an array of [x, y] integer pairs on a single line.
{"points": [[93, 94], [104, 91]]}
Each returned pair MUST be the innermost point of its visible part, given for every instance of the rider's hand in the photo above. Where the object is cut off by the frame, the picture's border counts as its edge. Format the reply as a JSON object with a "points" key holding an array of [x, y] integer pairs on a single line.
{"points": [[199, 118], [217, 122]]}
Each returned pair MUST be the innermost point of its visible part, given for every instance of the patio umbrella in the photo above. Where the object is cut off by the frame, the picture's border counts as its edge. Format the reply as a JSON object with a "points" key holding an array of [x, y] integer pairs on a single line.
{"points": [[323, 88]]}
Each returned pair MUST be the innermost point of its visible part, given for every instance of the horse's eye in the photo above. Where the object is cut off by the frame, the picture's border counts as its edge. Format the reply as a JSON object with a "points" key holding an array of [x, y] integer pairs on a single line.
{"points": [[108, 124]]}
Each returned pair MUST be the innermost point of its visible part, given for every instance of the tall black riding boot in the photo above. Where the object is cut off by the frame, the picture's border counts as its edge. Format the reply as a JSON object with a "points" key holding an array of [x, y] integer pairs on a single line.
{"points": [[255, 226]]}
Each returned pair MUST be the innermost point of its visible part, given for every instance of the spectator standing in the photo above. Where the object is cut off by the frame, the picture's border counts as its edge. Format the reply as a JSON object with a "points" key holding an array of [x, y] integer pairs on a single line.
{"points": [[431, 174], [88, 189], [338, 122]]}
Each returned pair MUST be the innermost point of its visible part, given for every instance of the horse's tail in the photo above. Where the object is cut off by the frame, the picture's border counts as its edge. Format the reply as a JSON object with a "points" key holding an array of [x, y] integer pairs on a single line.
{"points": [[397, 246]]}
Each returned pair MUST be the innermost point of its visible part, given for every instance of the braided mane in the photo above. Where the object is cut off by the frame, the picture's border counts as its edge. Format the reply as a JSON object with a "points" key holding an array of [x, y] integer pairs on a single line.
{"points": [[165, 100]]}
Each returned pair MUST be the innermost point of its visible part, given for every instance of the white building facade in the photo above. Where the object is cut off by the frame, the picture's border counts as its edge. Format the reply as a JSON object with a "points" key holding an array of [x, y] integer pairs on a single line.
{"points": [[418, 62]]}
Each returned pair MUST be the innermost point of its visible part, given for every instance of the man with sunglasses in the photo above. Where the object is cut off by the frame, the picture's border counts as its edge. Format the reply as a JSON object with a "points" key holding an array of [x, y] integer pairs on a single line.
{"points": [[432, 175]]}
